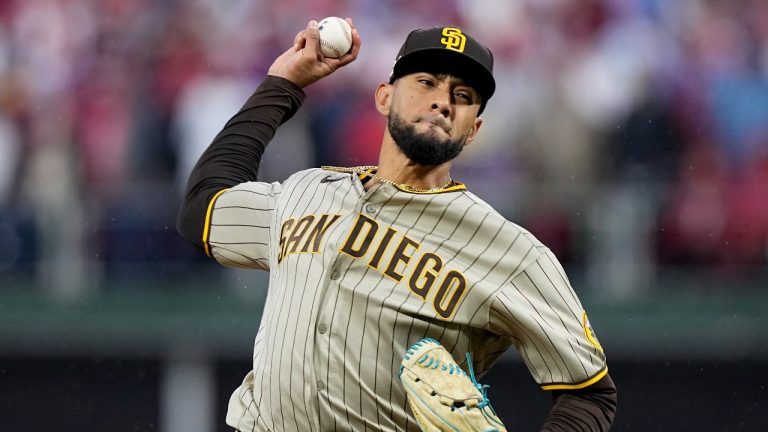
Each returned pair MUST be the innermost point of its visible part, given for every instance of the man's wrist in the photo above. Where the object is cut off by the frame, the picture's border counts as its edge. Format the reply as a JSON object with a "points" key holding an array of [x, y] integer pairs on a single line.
{"points": [[283, 82]]}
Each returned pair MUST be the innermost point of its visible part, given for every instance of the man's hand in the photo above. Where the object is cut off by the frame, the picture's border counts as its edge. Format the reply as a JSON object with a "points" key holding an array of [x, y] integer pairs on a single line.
{"points": [[441, 395], [304, 63]]}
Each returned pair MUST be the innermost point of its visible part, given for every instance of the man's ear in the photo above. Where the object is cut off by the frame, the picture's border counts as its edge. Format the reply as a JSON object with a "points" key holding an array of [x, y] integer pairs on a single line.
{"points": [[473, 132], [384, 98]]}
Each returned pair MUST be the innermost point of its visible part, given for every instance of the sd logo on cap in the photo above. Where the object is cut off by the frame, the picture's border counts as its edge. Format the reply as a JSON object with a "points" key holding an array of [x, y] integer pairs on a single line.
{"points": [[447, 50]]}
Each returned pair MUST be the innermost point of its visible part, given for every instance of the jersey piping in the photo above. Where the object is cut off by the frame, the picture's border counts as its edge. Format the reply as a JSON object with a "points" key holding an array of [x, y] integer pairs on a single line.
{"points": [[367, 172], [207, 224], [577, 386]]}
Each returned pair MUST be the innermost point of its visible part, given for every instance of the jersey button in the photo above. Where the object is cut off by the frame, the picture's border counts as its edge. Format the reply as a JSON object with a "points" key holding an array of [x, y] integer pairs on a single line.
{"points": [[322, 328], [370, 208], [320, 385], [335, 275]]}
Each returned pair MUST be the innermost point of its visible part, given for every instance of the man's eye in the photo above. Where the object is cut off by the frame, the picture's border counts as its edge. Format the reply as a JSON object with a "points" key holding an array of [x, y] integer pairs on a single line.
{"points": [[464, 96], [426, 82]]}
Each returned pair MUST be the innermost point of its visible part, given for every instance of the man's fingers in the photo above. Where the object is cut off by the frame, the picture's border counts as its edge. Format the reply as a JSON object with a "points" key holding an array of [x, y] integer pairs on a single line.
{"points": [[356, 42], [312, 34], [298, 41]]}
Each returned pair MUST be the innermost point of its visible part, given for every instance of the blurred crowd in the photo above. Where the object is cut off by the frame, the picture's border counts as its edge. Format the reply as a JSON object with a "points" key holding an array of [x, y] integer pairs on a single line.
{"points": [[605, 109]]}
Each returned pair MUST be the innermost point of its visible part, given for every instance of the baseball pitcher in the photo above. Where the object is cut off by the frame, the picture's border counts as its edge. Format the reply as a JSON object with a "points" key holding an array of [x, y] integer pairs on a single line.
{"points": [[392, 287]]}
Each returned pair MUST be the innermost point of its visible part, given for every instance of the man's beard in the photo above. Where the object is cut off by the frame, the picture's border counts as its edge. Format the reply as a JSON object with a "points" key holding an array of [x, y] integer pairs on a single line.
{"points": [[423, 148]]}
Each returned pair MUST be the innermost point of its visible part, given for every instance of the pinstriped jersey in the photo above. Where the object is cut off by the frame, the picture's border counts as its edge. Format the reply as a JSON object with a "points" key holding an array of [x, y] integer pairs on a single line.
{"points": [[357, 276]]}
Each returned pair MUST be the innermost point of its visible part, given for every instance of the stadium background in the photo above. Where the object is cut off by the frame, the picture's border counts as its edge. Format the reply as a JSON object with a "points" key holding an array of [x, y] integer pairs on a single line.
{"points": [[631, 136]]}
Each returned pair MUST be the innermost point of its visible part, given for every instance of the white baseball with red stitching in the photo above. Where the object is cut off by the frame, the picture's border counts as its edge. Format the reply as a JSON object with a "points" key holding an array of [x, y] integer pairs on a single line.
{"points": [[335, 36]]}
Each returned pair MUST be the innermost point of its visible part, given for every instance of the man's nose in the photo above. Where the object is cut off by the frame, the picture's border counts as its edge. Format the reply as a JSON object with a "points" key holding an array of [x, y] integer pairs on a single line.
{"points": [[441, 102]]}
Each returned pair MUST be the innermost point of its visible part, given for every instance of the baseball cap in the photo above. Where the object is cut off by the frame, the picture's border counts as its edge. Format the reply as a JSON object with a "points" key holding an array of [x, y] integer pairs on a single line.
{"points": [[447, 50]]}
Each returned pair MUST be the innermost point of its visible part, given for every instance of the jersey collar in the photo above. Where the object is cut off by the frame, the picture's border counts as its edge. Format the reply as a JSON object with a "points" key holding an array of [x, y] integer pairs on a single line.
{"points": [[366, 172]]}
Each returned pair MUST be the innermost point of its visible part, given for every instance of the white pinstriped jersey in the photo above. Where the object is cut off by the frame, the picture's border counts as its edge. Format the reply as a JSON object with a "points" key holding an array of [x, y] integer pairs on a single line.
{"points": [[357, 276]]}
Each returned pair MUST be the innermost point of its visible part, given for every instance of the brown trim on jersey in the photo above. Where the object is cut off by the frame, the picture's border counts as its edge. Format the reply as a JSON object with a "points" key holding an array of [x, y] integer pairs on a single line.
{"points": [[562, 386]]}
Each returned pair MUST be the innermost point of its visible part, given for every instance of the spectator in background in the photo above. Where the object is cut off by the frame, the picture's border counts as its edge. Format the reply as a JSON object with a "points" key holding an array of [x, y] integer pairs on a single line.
{"points": [[98, 92], [715, 216], [692, 221], [745, 234], [10, 155]]}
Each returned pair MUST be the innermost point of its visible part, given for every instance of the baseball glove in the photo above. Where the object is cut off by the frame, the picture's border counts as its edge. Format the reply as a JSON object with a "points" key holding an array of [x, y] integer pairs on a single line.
{"points": [[443, 398]]}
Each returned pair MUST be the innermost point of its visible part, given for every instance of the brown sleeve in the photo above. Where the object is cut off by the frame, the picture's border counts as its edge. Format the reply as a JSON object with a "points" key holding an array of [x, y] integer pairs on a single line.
{"points": [[587, 409], [235, 153]]}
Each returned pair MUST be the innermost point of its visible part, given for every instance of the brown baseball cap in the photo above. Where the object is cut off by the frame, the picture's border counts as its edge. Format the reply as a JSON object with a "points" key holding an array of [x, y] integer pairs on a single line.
{"points": [[447, 50]]}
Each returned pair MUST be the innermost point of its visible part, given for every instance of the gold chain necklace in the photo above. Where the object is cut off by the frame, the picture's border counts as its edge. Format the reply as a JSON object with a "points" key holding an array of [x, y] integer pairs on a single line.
{"points": [[368, 168], [407, 188]]}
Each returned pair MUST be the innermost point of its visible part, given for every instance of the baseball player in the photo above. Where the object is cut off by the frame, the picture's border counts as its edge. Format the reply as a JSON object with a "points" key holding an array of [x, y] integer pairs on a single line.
{"points": [[365, 261]]}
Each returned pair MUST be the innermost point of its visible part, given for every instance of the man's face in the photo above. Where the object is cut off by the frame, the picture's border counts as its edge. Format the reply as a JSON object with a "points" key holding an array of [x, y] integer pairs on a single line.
{"points": [[432, 117]]}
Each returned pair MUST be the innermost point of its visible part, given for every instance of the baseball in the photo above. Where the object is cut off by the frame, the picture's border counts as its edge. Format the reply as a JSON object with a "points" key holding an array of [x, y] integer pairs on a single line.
{"points": [[335, 37]]}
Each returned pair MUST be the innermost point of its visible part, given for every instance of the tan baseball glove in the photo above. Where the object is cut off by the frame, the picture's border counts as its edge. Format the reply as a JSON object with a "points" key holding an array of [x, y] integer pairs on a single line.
{"points": [[442, 396]]}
